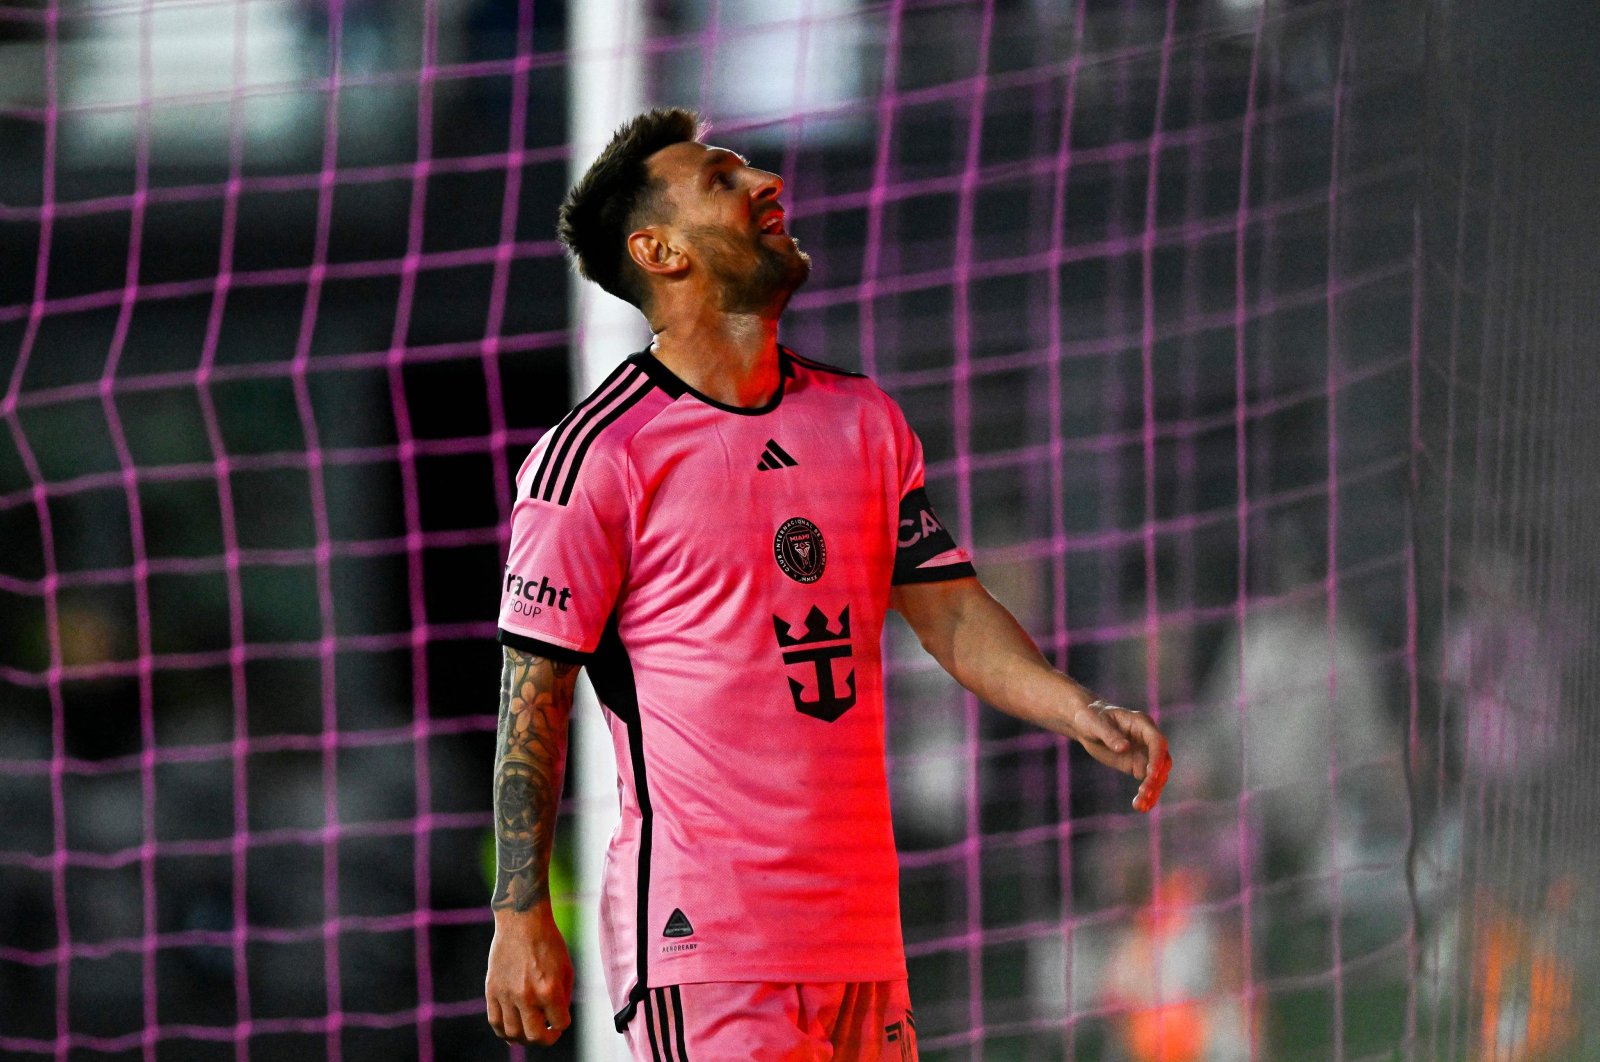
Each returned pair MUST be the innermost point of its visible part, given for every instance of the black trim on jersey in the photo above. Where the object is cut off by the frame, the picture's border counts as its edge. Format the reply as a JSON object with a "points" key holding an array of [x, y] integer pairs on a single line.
{"points": [[664, 379], [548, 650], [589, 430], [611, 673], [822, 366], [606, 422], [568, 423]]}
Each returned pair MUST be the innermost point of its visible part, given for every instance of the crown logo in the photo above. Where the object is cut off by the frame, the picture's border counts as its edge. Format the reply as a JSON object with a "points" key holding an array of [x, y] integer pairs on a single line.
{"points": [[812, 655], [818, 628]]}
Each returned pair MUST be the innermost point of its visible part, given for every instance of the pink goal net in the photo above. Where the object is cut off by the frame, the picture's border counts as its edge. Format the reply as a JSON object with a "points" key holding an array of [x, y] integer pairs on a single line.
{"points": [[1248, 341]]}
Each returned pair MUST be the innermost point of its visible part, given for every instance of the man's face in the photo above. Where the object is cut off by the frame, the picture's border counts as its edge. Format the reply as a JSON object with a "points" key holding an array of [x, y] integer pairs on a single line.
{"points": [[725, 214]]}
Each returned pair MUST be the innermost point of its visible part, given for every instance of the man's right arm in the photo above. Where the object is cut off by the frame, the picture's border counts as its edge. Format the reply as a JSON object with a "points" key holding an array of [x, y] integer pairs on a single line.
{"points": [[529, 986]]}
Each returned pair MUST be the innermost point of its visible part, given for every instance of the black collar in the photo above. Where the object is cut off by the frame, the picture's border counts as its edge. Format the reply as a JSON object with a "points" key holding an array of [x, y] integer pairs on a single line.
{"points": [[664, 378]]}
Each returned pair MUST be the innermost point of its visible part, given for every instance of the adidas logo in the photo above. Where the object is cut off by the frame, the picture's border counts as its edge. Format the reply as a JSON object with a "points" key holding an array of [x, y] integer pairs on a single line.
{"points": [[677, 925], [774, 457]]}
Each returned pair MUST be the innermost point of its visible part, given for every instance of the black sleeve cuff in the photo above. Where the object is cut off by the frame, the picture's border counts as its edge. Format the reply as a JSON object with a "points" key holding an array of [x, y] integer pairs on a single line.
{"points": [[942, 574], [547, 650]]}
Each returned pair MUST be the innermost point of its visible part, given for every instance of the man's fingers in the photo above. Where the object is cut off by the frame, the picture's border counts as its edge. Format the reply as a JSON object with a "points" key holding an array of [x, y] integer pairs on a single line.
{"points": [[529, 1022], [556, 1017], [1155, 781], [511, 1025], [536, 1027], [496, 1021], [1139, 726], [1154, 745], [1138, 749], [523, 1023], [1100, 725]]}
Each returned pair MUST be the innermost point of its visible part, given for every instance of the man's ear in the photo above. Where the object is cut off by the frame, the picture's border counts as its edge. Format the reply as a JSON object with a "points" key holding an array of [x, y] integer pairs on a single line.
{"points": [[652, 253]]}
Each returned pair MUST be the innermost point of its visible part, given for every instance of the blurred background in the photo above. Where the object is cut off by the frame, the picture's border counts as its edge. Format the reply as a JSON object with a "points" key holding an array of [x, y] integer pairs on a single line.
{"points": [[1251, 343]]}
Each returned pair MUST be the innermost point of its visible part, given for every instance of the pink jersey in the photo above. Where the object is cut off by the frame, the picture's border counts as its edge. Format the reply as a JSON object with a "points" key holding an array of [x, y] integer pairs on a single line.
{"points": [[723, 574]]}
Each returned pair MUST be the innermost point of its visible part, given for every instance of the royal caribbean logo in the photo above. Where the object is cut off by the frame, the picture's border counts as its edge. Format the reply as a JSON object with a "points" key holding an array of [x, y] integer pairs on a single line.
{"points": [[815, 650], [799, 550]]}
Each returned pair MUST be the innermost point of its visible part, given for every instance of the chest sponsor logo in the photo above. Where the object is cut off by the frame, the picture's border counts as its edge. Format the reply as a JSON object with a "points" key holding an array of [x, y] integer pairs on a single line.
{"points": [[799, 550], [530, 597], [813, 656]]}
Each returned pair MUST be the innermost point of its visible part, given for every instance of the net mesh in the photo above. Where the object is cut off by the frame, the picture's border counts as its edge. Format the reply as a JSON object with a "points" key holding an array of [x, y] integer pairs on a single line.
{"points": [[1249, 359], [1505, 865]]}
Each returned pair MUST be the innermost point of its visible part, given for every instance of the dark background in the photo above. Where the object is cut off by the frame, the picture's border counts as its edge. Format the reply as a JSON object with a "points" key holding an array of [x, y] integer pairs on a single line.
{"points": [[267, 382]]}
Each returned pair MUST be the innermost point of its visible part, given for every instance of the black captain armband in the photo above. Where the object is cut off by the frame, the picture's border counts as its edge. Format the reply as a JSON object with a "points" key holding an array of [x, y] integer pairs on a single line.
{"points": [[920, 538]]}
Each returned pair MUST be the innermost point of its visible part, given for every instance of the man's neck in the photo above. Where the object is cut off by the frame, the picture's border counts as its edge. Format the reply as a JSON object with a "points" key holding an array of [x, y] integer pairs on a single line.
{"points": [[732, 358]]}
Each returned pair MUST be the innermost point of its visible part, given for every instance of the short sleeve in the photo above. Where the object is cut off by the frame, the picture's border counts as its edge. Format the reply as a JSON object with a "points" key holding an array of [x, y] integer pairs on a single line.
{"points": [[567, 562], [925, 551]]}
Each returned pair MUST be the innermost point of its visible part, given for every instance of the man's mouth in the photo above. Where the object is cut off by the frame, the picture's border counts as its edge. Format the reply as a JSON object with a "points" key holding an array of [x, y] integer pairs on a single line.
{"points": [[773, 225]]}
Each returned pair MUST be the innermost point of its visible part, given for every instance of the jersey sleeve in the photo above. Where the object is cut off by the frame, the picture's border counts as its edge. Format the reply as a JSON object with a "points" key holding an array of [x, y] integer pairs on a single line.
{"points": [[925, 551], [567, 562]]}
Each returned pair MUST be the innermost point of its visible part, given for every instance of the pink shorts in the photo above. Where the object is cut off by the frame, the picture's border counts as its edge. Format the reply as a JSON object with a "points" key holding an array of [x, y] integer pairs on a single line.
{"points": [[732, 1021]]}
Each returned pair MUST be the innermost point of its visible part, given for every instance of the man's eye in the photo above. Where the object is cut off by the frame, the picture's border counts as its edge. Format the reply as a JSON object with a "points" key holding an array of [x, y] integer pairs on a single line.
{"points": [[722, 180]]}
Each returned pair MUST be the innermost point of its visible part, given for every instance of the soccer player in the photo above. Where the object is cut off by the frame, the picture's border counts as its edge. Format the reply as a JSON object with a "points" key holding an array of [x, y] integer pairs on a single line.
{"points": [[716, 534]]}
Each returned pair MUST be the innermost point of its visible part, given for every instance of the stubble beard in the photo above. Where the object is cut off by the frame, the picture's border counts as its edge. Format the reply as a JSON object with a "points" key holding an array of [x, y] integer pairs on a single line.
{"points": [[765, 288]]}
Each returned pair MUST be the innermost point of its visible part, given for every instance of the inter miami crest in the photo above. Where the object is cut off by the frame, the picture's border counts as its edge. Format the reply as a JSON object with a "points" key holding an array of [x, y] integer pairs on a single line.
{"points": [[799, 550]]}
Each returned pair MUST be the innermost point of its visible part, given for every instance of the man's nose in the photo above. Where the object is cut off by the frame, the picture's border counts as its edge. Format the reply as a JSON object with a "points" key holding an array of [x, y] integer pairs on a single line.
{"points": [[767, 186]]}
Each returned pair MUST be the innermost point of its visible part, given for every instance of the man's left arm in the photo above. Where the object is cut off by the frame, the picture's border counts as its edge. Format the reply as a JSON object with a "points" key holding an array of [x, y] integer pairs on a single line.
{"points": [[984, 648]]}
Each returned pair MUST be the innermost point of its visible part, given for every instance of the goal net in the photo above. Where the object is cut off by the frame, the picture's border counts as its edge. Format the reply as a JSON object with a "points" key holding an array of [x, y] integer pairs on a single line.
{"points": [[1248, 343]]}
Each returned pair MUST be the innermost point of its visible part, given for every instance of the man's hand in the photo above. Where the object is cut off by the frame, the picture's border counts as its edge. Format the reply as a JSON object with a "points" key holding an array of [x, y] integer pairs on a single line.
{"points": [[529, 987], [1129, 742], [985, 649]]}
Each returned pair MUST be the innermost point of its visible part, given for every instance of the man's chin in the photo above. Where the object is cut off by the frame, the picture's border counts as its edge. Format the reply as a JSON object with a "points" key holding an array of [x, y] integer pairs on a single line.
{"points": [[777, 275], [802, 268], [798, 273]]}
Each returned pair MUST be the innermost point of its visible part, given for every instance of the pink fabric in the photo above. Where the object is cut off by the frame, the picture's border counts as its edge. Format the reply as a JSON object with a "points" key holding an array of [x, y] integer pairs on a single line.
{"points": [[744, 561], [767, 1022]]}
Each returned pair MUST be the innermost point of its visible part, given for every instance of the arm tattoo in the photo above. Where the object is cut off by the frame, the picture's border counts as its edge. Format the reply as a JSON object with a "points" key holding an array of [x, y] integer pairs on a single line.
{"points": [[535, 702]]}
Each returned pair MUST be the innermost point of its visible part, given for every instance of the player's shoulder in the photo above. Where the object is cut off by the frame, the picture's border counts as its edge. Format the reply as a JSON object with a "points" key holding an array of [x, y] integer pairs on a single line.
{"points": [[837, 381], [799, 364], [590, 443], [840, 384]]}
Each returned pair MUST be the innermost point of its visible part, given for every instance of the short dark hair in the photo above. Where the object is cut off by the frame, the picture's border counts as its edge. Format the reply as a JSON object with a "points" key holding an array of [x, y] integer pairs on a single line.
{"points": [[607, 203]]}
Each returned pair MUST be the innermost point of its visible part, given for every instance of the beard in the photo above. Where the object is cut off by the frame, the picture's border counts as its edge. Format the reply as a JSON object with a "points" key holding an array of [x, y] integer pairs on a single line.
{"points": [[767, 286]]}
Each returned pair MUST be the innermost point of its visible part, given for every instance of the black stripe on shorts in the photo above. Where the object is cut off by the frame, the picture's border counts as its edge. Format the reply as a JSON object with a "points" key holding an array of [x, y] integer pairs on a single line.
{"points": [[677, 1016], [650, 1024]]}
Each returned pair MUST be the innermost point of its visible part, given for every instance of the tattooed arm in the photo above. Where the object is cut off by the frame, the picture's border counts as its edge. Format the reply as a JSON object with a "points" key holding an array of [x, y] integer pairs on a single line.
{"points": [[535, 701], [529, 986]]}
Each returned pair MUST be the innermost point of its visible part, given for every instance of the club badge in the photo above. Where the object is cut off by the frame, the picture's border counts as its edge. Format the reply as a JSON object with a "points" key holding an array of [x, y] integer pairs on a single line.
{"points": [[799, 550]]}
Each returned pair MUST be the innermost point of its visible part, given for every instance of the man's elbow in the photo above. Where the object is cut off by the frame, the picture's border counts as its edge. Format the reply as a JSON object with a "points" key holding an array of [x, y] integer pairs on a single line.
{"points": [[939, 639], [936, 612], [937, 647]]}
